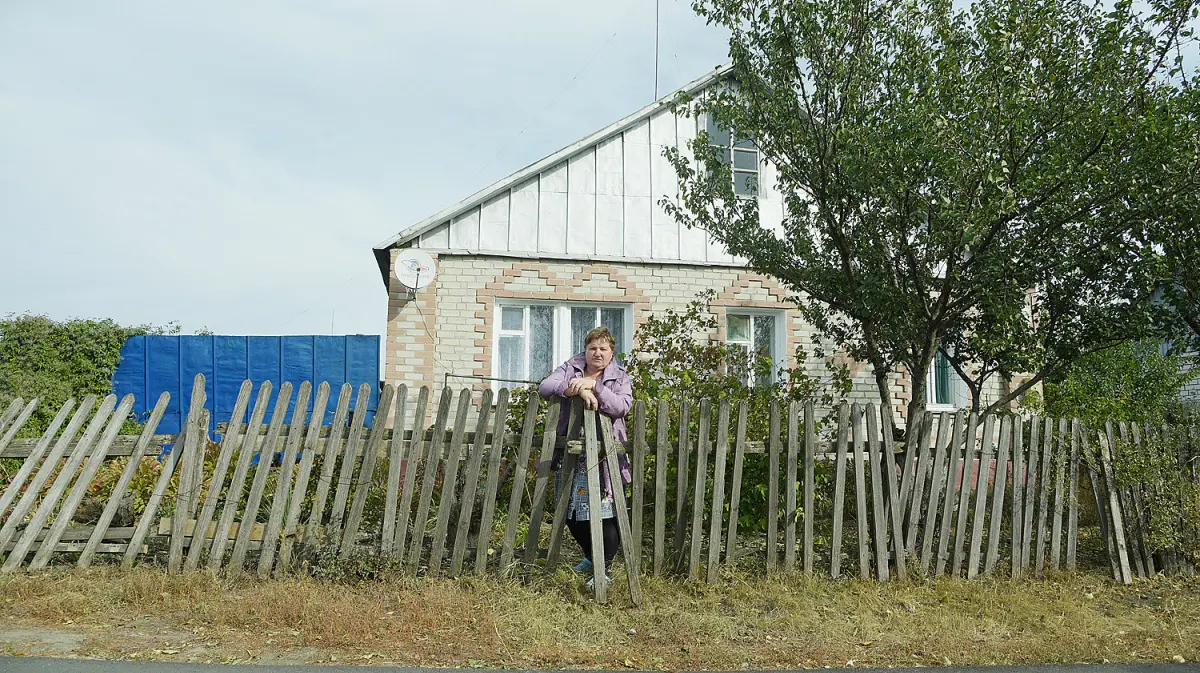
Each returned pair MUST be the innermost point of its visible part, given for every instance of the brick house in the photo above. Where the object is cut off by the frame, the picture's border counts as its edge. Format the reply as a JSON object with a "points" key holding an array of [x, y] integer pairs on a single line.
{"points": [[528, 265]]}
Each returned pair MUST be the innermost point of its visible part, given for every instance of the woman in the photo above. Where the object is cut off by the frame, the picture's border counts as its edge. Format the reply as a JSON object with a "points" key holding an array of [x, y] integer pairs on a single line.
{"points": [[603, 384]]}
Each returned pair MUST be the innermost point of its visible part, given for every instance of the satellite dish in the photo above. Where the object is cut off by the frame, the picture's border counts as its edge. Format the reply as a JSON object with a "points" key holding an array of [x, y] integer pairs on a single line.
{"points": [[414, 268]]}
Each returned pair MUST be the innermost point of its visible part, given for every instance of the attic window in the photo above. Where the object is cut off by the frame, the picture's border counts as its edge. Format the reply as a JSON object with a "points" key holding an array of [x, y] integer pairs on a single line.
{"points": [[741, 151]]}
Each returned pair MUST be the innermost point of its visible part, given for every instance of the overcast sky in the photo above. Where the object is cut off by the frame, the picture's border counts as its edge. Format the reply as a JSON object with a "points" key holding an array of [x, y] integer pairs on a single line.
{"points": [[230, 164]]}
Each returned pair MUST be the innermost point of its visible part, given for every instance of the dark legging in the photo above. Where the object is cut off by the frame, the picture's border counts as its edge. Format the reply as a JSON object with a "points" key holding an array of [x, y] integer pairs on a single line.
{"points": [[581, 531]]}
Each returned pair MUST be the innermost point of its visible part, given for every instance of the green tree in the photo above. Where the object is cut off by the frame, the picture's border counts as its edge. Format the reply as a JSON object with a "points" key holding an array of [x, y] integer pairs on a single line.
{"points": [[979, 182], [55, 360], [1133, 382]]}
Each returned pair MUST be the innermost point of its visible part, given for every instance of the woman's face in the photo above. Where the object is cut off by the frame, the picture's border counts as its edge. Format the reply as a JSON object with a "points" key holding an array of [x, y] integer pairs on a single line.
{"points": [[598, 354]]}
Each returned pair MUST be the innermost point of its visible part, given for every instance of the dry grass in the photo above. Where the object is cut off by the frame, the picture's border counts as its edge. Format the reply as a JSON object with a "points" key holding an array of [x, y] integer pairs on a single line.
{"points": [[785, 622]]}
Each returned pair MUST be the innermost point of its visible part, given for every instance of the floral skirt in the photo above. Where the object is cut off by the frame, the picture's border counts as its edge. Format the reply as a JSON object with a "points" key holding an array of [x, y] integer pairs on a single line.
{"points": [[580, 509]]}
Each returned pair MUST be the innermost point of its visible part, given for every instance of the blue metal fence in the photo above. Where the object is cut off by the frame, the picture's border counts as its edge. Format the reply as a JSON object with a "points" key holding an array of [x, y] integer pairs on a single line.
{"points": [[153, 364]]}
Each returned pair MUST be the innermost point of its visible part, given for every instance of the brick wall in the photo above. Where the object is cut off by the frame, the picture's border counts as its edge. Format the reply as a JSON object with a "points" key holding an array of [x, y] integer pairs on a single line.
{"points": [[446, 329]]}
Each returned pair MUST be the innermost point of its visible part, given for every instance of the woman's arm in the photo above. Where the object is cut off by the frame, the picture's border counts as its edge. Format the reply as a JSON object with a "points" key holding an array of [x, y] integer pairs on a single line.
{"points": [[555, 385], [615, 402]]}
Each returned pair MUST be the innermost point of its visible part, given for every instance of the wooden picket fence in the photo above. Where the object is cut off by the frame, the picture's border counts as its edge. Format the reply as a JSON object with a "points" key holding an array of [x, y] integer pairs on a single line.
{"points": [[968, 496]]}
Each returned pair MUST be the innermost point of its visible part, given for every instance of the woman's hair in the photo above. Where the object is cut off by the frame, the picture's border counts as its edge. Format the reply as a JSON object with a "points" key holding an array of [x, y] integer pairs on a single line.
{"points": [[600, 332]]}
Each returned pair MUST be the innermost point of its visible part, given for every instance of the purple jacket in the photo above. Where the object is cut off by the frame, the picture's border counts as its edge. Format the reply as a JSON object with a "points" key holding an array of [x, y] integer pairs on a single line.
{"points": [[614, 393]]}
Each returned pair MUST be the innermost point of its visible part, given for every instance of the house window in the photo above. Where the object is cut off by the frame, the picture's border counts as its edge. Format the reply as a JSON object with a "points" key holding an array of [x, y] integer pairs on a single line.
{"points": [[756, 335], [741, 154], [943, 387], [532, 339]]}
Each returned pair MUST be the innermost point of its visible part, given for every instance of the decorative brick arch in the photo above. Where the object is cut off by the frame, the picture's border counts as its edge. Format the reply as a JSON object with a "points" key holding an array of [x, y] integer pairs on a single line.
{"points": [[727, 299], [564, 287]]}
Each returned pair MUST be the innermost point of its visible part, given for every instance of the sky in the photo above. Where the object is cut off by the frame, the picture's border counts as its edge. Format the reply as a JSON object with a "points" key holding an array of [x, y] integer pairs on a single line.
{"points": [[228, 165]]}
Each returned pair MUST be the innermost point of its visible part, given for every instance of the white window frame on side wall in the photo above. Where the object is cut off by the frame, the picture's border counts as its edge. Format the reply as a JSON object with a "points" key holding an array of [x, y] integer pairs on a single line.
{"points": [[779, 339], [958, 389], [561, 348]]}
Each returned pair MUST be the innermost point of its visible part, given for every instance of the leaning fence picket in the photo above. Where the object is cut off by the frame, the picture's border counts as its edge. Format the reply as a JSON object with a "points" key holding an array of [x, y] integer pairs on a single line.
{"points": [[950, 501], [986, 454], [366, 474], [839, 490], [923, 456], [47, 506], [516, 497], [433, 458], [283, 483], [470, 485], [228, 443], [735, 497], [810, 449], [413, 462], [148, 515], [860, 491], [623, 526], [307, 460], [699, 489], [591, 454], [661, 457], [449, 483], [10, 412], [773, 488], [789, 489], [11, 430], [541, 482], [33, 460], [966, 480], [998, 494], [229, 511], [350, 459], [566, 474], [681, 481], [638, 487], [929, 531], [1043, 518], [396, 455], [879, 520], [188, 480], [718, 498], [491, 487], [896, 510], [1117, 520], [266, 455], [118, 492]]}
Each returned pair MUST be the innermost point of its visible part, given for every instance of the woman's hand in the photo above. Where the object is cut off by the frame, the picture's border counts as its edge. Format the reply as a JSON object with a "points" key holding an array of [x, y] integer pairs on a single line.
{"points": [[579, 385], [589, 398]]}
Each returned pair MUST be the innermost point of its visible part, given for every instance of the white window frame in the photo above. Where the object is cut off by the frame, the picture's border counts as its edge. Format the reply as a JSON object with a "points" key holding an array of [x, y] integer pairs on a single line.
{"points": [[780, 337], [957, 388], [732, 148], [561, 348]]}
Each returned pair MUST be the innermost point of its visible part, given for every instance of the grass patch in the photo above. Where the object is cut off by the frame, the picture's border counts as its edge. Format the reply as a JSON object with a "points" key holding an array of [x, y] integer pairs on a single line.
{"points": [[789, 621]]}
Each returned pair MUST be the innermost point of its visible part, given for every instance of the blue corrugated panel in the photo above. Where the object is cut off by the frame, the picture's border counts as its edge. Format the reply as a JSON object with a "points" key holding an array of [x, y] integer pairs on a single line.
{"points": [[151, 365]]}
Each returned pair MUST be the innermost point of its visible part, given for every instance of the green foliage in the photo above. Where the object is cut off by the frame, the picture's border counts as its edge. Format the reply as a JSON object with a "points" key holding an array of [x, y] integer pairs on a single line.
{"points": [[985, 180], [1129, 382], [55, 360], [1170, 492]]}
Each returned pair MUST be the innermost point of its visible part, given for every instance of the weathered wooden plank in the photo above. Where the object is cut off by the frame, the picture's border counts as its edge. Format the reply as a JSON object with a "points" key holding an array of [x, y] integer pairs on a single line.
{"points": [[1060, 485], [541, 483], [638, 487], [1032, 463], [1073, 497], [964, 494], [10, 412], [491, 488], [790, 506], [623, 525], [987, 453], [773, 488], [387, 528], [517, 496], [950, 502], [1118, 523], [924, 459], [470, 485], [660, 486], [122, 446], [810, 445], [1128, 517], [1018, 500], [566, 475], [35, 456], [998, 492], [366, 474], [229, 442], [100, 530], [283, 484], [1101, 502], [1045, 486], [151, 511], [216, 553], [595, 523], [681, 482], [895, 490], [860, 491], [350, 455], [879, 536], [412, 466], [66, 512], [941, 449], [716, 513], [735, 497], [911, 445], [292, 523], [839, 490], [48, 504], [11, 430], [265, 457], [189, 481], [1140, 512], [316, 517], [80, 534], [433, 456], [449, 483], [698, 488]]}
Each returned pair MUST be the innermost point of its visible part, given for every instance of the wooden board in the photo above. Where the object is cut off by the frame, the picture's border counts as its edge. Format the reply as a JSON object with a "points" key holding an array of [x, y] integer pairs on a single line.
{"points": [[41, 471], [638, 487], [449, 483], [681, 482], [987, 454], [996, 516], [735, 497], [623, 525], [413, 465], [895, 493], [433, 455], [229, 512], [964, 494], [237, 559], [517, 496], [229, 442], [366, 474], [333, 446], [661, 458], [950, 501], [938, 460], [596, 523], [773, 489], [540, 485], [1073, 498], [790, 505], [699, 483], [470, 485], [283, 484], [291, 526], [810, 445], [716, 512], [1018, 500], [860, 492], [839, 490], [391, 497], [350, 456], [491, 487], [879, 534]]}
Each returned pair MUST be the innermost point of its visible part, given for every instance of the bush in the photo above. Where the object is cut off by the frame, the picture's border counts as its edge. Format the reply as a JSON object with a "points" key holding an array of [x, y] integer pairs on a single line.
{"points": [[1170, 493], [1134, 381]]}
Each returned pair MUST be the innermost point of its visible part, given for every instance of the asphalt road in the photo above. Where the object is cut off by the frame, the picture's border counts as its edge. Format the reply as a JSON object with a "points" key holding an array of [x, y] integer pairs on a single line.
{"points": [[48, 665]]}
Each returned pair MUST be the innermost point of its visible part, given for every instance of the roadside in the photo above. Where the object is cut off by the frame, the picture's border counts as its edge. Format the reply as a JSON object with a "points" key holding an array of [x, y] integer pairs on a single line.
{"points": [[782, 623]]}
